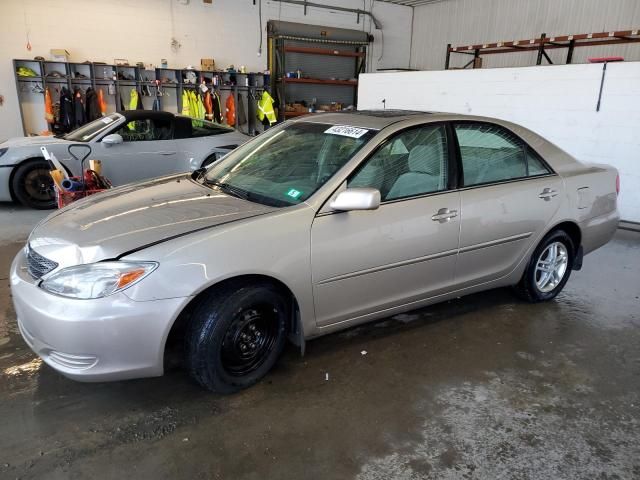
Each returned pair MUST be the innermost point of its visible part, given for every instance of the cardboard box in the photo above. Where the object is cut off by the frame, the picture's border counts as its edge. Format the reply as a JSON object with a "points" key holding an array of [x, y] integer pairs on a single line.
{"points": [[207, 65], [59, 55]]}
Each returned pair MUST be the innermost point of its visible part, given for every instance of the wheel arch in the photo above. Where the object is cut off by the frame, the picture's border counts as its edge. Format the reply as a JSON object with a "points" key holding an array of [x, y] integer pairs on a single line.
{"points": [[17, 165], [572, 229], [296, 333]]}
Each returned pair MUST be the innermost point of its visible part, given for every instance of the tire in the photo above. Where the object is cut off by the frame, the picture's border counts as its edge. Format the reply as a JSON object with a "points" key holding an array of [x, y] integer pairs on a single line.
{"points": [[224, 353], [532, 287], [33, 186]]}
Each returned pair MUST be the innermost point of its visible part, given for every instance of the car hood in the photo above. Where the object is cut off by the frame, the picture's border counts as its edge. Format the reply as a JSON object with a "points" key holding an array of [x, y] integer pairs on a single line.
{"points": [[38, 141], [135, 216]]}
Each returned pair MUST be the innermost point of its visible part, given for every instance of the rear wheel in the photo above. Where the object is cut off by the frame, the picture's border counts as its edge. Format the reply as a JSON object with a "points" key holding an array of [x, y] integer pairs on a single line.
{"points": [[236, 336], [33, 186], [549, 268]]}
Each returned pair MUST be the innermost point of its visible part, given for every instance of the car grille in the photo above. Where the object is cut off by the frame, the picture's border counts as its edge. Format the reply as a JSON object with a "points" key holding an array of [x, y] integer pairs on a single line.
{"points": [[37, 265]]}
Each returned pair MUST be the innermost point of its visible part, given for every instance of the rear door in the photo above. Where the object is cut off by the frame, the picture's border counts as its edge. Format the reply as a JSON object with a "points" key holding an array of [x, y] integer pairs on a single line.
{"points": [[509, 195], [148, 150], [405, 251]]}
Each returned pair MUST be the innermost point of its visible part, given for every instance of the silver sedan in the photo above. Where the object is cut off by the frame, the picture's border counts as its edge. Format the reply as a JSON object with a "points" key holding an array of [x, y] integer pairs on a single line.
{"points": [[133, 145], [317, 225]]}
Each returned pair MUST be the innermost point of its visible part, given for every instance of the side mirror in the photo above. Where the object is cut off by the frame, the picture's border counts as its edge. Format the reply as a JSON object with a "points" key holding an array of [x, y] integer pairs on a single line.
{"points": [[356, 199], [113, 139]]}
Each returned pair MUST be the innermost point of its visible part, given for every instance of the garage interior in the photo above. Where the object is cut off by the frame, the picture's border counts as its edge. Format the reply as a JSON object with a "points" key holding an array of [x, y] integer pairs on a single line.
{"points": [[483, 386]]}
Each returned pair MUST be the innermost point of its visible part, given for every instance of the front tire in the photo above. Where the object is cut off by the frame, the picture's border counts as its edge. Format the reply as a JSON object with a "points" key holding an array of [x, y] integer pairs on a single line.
{"points": [[549, 268], [33, 186], [236, 335]]}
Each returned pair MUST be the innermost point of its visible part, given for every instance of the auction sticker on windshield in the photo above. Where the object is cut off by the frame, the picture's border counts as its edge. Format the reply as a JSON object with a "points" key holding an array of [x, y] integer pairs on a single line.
{"points": [[346, 131]]}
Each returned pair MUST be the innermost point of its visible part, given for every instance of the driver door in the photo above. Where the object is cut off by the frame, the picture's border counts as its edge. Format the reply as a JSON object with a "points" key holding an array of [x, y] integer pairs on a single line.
{"points": [[148, 150], [365, 262]]}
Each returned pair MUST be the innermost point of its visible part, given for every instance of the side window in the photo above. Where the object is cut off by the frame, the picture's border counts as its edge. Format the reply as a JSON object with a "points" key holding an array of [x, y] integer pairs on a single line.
{"points": [[490, 153], [412, 163], [146, 129]]}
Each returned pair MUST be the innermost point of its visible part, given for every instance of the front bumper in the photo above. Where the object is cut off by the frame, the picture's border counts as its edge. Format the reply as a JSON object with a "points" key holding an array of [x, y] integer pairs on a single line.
{"points": [[112, 338]]}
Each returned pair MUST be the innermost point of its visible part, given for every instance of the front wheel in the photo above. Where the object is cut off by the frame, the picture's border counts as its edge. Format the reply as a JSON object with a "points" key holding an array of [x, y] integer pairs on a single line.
{"points": [[549, 268], [235, 336], [33, 186]]}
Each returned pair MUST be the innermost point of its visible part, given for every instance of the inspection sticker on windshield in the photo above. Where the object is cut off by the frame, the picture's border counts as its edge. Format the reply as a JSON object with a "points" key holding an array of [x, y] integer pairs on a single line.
{"points": [[293, 193], [346, 131]]}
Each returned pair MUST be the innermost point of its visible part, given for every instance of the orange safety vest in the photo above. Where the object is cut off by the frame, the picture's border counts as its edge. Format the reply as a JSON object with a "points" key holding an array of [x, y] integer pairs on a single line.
{"points": [[48, 106], [231, 110]]}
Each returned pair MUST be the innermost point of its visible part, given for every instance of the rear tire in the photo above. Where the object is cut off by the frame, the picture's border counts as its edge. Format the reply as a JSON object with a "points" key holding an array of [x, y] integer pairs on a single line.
{"points": [[32, 185], [549, 268], [236, 335]]}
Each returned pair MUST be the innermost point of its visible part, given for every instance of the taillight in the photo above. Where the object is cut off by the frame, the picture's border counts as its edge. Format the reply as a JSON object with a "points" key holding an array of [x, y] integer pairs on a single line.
{"points": [[618, 184]]}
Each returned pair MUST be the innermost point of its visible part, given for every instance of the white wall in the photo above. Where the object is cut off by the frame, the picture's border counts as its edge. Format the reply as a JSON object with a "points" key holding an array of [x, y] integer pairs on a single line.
{"points": [[466, 22], [140, 30], [557, 102]]}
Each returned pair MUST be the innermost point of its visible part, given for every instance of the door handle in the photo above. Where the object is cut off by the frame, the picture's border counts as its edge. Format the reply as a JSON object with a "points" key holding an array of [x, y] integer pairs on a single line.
{"points": [[547, 194], [167, 153], [444, 215]]}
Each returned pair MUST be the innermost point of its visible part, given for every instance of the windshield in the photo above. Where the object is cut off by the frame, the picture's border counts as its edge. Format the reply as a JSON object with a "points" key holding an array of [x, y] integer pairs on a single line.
{"points": [[285, 166], [86, 132]]}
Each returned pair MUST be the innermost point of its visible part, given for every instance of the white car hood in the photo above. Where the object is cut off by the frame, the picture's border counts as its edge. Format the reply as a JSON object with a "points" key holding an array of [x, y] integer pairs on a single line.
{"points": [[38, 141]]}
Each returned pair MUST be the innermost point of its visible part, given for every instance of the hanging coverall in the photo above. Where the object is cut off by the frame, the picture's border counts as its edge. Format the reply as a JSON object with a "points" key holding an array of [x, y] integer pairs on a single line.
{"points": [[265, 109]]}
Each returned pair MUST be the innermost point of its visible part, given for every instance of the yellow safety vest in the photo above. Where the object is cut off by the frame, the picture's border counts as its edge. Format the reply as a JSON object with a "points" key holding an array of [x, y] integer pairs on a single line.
{"points": [[265, 108]]}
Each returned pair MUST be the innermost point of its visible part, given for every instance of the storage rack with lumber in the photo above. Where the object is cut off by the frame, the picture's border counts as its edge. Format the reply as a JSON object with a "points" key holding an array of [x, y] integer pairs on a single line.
{"points": [[541, 45]]}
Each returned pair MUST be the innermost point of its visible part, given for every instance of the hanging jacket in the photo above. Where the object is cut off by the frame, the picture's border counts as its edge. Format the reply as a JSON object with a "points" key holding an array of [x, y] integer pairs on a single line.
{"points": [[102, 104], [92, 106], [48, 106], [78, 109], [217, 108], [231, 110], [208, 106], [67, 119], [266, 114], [200, 107], [135, 102], [240, 113], [185, 103]]}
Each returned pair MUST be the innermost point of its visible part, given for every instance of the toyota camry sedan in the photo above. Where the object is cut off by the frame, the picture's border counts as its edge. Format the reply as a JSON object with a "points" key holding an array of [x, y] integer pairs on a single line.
{"points": [[317, 225], [133, 145]]}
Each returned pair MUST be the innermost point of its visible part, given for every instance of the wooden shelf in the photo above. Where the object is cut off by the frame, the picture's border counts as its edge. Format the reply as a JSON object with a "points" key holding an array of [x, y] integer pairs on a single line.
{"points": [[318, 81], [323, 51]]}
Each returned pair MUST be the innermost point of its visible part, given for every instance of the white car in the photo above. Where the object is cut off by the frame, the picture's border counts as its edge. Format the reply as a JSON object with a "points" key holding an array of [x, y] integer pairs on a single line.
{"points": [[132, 145]]}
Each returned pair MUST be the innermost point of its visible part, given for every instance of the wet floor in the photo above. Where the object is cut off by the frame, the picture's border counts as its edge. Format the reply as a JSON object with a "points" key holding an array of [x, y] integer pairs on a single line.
{"points": [[484, 387]]}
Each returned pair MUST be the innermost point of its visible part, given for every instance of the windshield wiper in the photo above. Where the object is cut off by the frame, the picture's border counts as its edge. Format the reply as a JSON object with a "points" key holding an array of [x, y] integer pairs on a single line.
{"points": [[229, 189]]}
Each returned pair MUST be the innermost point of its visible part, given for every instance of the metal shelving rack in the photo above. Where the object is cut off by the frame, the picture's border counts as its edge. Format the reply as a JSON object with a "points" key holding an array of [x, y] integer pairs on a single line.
{"points": [[100, 75], [541, 45]]}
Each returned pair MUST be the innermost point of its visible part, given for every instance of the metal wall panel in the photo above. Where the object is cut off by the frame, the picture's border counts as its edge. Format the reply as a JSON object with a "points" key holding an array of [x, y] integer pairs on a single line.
{"points": [[463, 22]]}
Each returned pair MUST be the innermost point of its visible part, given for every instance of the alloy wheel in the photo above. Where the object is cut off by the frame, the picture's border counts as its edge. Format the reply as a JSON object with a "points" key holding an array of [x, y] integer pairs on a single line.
{"points": [[551, 266]]}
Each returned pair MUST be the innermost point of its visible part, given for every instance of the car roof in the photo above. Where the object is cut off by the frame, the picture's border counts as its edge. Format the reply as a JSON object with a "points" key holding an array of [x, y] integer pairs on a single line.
{"points": [[374, 119]]}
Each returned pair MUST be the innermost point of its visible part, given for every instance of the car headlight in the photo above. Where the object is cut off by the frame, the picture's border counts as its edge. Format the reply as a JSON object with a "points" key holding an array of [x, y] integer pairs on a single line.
{"points": [[96, 280], [3, 151]]}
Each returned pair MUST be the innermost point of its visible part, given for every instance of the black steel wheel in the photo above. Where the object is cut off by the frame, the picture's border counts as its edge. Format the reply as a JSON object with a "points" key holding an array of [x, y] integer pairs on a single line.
{"points": [[33, 186], [236, 335]]}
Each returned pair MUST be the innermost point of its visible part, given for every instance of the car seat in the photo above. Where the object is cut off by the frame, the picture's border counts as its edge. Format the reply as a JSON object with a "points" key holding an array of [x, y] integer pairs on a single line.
{"points": [[426, 172]]}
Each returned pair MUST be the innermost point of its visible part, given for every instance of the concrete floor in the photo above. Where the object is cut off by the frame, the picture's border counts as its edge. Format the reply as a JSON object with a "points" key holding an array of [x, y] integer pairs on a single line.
{"points": [[485, 387]]}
